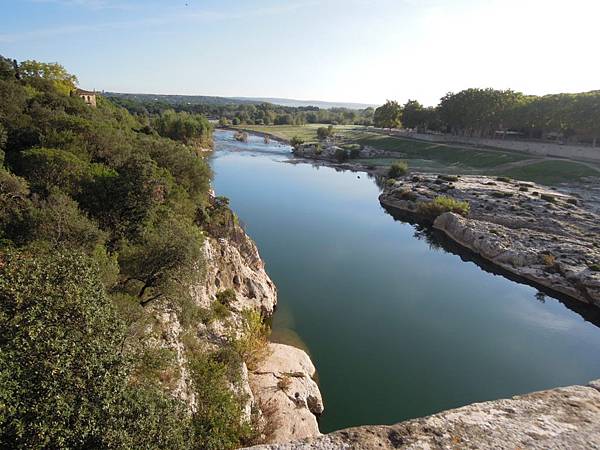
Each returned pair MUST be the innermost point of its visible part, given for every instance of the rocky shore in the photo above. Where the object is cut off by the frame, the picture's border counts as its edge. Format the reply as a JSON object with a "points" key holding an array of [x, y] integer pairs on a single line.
{"points": [[562, 418], [544, 236]]}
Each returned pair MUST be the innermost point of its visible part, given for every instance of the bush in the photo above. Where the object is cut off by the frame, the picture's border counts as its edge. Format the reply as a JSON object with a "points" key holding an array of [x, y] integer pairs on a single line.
{"points": [[324, 132], [284, 382], [217, 423], [60, 362], [296, 141], [220, 311], [398, 169], [252, 345], [226, 297], [440, 205]]}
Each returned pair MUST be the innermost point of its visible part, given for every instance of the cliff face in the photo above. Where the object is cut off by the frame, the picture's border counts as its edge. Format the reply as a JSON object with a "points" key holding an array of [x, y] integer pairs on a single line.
{"points": [[235, 263], [565, 418]]}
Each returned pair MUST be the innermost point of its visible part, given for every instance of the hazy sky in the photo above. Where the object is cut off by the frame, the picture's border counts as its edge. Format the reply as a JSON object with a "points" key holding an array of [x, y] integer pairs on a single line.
{"points": [[341, 50]]}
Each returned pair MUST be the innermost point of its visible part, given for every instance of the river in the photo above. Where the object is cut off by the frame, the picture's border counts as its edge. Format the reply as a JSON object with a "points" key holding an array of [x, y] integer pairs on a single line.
{"points": [[398, 323]]}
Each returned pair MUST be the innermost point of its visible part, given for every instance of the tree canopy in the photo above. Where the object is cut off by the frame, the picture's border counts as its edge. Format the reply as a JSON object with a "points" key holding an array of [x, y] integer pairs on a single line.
{"points": [[388, 115]]}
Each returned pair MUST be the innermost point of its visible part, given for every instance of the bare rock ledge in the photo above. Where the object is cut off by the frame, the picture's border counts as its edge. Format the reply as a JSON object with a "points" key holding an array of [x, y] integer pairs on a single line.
{"points": [[284, 386], [548, 237], [562, 418]]}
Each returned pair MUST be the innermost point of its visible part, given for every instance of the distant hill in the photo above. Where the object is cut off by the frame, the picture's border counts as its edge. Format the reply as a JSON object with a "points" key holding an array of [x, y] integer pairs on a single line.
{"points": [[182, 99], [298, 103], [213, 100]]}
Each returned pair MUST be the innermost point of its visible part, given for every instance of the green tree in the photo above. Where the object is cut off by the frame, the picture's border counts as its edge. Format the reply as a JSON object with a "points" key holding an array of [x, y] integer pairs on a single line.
{"points": [[388, 116], [163, 261], [48, 167], [63, 81]]}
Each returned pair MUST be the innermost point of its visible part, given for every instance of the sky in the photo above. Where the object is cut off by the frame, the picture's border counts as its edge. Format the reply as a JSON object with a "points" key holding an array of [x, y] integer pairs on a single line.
{"points": [[334, 50]]}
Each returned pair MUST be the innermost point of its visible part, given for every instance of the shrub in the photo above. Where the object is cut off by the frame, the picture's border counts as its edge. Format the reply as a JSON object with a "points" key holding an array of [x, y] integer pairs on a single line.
{"points": [[398, 169], [548, 260], [253, 344], [442, 204], [226, 297], [504, 179], [220, 311], [324, 132], [284, 382], [60, 363], [217, 423], [594, 267], [296, 141]]}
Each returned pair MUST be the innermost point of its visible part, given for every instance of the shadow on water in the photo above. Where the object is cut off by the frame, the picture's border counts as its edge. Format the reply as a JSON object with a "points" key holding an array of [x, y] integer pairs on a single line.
{"points": [[437, 240]]}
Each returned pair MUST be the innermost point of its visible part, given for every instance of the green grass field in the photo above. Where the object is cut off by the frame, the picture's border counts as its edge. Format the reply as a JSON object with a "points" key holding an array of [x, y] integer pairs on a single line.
{"points": [[411, 149], [551, 171], [442, 158]]}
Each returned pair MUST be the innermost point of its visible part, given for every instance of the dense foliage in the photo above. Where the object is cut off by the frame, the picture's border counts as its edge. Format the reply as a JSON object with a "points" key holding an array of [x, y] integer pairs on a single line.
{"points": [[102, 217], [496, 113]]}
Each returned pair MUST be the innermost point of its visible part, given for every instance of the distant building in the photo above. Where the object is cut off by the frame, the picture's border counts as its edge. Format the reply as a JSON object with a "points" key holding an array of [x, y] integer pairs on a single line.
{"points": [[88, 96]]}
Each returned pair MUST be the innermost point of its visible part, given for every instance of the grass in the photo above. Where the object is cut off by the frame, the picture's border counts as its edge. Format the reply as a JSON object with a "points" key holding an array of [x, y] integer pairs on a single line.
{"points": [[308, 133], [552, 171], [408, 148], [430, 210]]}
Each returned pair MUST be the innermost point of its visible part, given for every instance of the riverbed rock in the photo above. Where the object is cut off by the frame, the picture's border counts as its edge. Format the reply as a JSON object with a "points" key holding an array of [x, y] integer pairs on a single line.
{"points": [[546, 236], [562, 418], [288, 396]]}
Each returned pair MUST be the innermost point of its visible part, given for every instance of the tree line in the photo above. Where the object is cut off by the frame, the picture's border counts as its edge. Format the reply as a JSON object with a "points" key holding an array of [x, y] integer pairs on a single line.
{"points": [[491, 112], [103, 216], [251, 114]]}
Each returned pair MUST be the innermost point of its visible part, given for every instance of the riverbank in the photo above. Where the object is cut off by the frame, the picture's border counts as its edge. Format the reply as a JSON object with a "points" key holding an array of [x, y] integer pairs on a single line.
{"points": [[542, 235], [567, 417]]}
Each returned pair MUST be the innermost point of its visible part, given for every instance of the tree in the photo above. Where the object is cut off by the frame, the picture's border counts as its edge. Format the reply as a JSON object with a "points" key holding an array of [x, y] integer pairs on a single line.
{"points": [[388, 116], [48, 167], [163, 261], [413, 115], [53, 72]]}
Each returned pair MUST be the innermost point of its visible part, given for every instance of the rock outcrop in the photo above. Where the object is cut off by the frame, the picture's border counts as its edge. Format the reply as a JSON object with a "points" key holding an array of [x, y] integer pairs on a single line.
{"points": [[284, 386], [234, 263], [547, 237], [562, 418]]}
